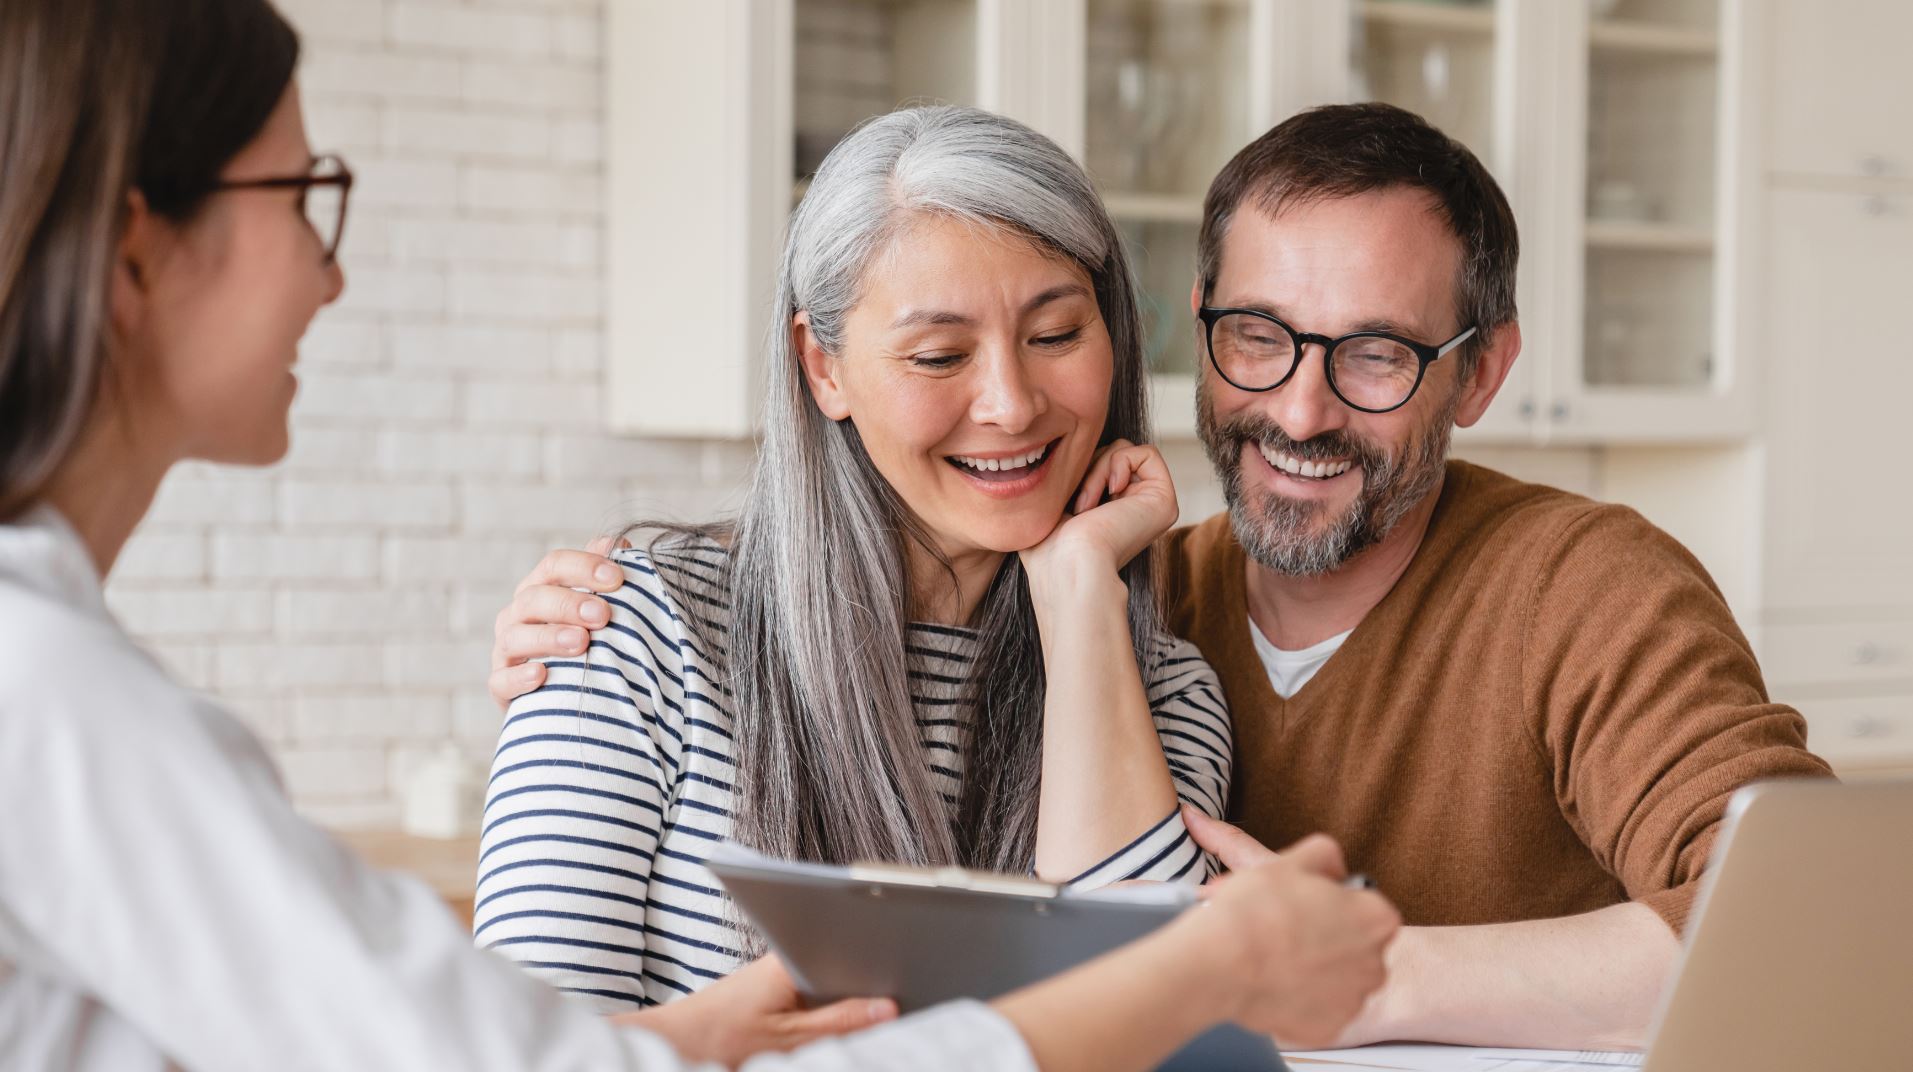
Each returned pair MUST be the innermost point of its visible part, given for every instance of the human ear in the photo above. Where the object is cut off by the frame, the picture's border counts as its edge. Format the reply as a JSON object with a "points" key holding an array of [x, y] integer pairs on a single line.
{"points": [[820, 369], [134, 262], [1491, 371]]}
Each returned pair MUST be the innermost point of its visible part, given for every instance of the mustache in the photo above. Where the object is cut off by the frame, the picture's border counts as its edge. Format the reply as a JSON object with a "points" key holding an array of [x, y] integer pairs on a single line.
{"points": [[1329, 446]]}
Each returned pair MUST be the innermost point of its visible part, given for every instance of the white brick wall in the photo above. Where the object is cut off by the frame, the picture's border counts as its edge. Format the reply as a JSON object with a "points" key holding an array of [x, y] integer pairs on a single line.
{"points": [[448, 429]]}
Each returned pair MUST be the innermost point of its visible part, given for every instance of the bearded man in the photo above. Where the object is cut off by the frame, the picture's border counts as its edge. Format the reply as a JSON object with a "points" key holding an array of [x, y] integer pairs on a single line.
{"points": [[1520, 711]]}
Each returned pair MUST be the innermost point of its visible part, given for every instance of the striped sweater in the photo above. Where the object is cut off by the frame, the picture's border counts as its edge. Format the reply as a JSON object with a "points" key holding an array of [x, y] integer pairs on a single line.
{"points": [[613, 781]]}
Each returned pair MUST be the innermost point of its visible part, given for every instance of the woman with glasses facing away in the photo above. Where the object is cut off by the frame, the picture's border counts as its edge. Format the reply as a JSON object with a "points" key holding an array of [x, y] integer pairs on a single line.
{"points": [[166, 235]]}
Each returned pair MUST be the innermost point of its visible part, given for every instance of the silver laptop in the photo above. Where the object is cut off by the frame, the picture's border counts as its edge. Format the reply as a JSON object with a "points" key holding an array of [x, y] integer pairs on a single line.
{"points": [[1801, 955]]}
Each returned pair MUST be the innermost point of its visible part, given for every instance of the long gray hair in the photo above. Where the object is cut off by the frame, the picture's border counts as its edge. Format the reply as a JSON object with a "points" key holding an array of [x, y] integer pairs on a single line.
{"points": [[830, 764]]}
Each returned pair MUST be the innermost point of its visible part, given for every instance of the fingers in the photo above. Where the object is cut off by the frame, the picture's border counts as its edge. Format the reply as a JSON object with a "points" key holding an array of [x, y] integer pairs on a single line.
{"points": [[1237, 850], [1318, 854], [565, 568], [1380, 916], [507, 683], [840, 1018], [545, 605], [1115, 468], [517, 643], [1096, 481], [547, 618], [1121, 476]]}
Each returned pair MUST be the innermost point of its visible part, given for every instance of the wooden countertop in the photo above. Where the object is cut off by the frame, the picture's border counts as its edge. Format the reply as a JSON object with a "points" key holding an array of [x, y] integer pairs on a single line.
{"points": [[448, 865]]}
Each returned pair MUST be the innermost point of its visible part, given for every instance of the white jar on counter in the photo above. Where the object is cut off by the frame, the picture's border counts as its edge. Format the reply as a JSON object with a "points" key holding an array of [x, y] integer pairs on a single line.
{"points": [[443, 797]]}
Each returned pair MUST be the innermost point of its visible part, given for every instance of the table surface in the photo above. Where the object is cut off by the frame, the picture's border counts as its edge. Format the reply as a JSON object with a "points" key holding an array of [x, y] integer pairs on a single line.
{"points": [[448, 865]]}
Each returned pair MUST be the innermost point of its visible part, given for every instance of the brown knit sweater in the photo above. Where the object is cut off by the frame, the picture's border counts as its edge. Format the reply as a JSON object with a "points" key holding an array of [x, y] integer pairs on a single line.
{"points": [[1545, 716]]}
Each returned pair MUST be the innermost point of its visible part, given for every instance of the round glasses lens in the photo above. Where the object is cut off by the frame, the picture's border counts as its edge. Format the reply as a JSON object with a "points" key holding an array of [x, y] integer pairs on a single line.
{"points": [[325, 210], [1375, 373], [1251, 351]]}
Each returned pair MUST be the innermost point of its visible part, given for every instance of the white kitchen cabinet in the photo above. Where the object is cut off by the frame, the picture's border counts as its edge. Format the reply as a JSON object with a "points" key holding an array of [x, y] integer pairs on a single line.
{"points": [[1854, 124], [1623, 142], [1862, 737], [1839, 507], [1875, 654], [1837, 563]]}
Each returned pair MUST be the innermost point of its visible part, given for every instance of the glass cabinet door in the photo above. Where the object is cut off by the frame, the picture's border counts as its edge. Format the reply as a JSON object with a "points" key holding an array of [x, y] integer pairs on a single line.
{"points": [[854, 59], [1441, 59], [1167, 100], [1652, 107], [1433, 57]]}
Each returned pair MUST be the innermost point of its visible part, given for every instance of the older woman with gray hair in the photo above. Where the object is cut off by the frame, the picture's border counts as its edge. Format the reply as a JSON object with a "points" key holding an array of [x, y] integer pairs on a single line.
{"points": [[929, 637]]}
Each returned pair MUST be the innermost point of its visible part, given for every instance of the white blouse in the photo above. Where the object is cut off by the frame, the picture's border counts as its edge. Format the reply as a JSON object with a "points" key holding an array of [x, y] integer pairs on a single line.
{"points": [[162, 905]]}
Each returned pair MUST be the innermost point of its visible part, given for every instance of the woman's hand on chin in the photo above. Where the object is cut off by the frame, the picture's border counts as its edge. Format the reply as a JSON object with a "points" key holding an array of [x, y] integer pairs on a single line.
{"points": [[752, 1010], [1105, 535]]}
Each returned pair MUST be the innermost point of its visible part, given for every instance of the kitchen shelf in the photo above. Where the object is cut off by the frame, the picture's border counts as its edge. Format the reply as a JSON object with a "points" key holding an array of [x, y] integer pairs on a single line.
{"points": [[1155, 208], [1448, 18], [1648, 236], [1652, 38]]}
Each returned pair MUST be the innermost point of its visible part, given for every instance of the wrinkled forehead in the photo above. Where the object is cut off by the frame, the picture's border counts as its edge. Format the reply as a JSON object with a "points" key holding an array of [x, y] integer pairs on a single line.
{"points": [[927, 256], [908, 232], [1382, 255]]}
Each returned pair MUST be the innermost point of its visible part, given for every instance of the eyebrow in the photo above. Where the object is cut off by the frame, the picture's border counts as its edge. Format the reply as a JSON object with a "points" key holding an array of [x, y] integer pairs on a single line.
{"points": [[1388, 327], [920, 317]]}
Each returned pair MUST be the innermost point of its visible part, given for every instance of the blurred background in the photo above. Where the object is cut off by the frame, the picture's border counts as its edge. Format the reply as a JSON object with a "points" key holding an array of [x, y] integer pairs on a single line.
{"points": [[561, 248]]}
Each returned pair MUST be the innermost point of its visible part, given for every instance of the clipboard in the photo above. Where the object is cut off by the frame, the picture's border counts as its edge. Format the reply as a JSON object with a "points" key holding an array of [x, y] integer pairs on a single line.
{"points": [[926, 936]]}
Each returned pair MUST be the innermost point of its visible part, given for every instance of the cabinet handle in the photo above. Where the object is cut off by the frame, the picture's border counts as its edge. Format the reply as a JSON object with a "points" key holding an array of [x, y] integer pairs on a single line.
{"points": [[1867, 653], [1558, 412], [1874, 166], [1526, 409], [1877, 205], [1866, 728]]}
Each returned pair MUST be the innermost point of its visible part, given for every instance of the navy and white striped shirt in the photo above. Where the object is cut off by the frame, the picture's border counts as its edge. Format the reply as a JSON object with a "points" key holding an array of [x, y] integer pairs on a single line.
{"points": [[613, 781]]}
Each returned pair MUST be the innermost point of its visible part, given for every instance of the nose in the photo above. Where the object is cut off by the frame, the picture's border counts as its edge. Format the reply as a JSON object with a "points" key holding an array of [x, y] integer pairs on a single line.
{"points": [[1306, 407], [334, 282], [1007, 396]]}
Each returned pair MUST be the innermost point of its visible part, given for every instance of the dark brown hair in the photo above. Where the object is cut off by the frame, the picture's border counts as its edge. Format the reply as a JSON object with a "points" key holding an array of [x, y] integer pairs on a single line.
{"points": [[1341, 150], [99, 98]]}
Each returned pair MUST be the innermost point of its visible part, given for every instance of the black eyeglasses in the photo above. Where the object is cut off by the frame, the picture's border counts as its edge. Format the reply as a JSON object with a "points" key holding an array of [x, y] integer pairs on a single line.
{"points": [[1371, 371], [323, 193]]}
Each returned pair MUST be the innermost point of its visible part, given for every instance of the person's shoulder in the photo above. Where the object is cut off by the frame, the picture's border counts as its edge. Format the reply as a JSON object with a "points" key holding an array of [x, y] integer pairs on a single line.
{"points": [[69, 676], [1510, 523], [674, 605], [1187, 547], [43, 640], [678, 567], [1492, 510]]}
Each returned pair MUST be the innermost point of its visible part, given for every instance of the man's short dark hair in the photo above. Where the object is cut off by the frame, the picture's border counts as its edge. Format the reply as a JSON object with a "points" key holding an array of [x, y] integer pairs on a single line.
{"points": [[1340, 150]]}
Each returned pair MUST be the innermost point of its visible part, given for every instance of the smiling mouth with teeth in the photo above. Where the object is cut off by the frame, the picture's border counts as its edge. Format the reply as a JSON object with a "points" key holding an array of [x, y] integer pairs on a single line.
{"points": [[1003, 470], [1301, 470]]}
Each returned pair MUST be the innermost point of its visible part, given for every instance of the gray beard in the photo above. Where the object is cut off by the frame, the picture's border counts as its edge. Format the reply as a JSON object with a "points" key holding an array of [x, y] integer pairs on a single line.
{"points": [[1287, 535]]}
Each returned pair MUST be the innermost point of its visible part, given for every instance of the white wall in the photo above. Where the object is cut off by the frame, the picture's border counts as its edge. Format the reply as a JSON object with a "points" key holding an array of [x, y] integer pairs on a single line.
{"points": [[448, 428]]}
